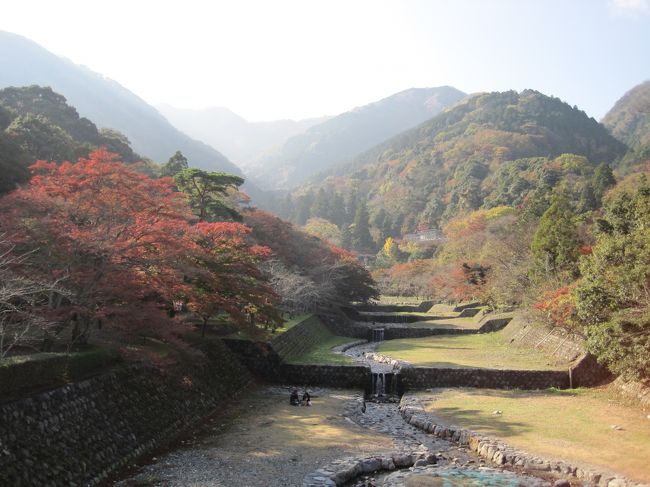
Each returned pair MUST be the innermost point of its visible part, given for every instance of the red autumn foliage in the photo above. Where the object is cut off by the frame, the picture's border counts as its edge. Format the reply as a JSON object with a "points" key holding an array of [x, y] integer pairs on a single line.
{"points": [[559, 307], [127, 244]]}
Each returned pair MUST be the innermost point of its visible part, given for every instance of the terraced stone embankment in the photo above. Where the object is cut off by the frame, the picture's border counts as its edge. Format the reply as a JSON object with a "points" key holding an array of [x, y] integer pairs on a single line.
{"points": [[499, 453]]}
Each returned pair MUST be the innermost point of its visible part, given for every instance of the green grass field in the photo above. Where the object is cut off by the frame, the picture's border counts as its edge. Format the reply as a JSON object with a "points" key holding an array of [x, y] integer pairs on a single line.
{"points": [[574, 425], [489, 350]]}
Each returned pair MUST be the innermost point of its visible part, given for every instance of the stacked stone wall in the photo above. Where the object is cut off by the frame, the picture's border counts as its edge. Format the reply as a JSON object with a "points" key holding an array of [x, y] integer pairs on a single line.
{"points": [[345, 376], [428, 377], [299, 339], [81, 433], [558, 343]]}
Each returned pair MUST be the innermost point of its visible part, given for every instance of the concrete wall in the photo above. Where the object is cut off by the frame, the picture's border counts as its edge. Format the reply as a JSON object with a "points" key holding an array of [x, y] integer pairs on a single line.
{"points": [[80, 433]]}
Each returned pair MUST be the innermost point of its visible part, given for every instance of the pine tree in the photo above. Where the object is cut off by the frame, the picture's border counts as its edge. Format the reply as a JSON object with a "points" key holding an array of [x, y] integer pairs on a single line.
{"points": [[555, 244], [346, 237], [361, 238], [175, 164]]}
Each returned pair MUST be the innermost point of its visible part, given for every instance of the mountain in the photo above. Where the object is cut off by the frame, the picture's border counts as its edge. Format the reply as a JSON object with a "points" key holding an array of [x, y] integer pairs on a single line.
{"points": [[37, 123], [488, 150], [342, 137], [106, 102], [241, 141], [629, 119]]}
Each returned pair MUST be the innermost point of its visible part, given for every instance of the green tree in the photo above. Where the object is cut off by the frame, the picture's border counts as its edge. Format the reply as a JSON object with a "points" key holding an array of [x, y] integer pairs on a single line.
{"points": [[612, 298], [603, 179], [175, 164], [206, 192], [346, 237], [555, 244], [361, 238]]}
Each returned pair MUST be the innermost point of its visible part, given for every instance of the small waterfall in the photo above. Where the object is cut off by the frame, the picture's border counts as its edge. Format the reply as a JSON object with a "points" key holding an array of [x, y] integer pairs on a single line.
{"points": [[385, 384], [377, 334]]}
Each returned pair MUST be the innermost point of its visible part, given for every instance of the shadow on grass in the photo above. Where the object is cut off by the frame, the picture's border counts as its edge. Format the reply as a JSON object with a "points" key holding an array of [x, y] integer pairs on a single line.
{"points": [[489, 423]]}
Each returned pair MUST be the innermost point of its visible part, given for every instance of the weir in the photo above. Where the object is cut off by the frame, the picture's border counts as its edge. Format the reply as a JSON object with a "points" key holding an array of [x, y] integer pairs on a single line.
{"points": [[378, 334]]}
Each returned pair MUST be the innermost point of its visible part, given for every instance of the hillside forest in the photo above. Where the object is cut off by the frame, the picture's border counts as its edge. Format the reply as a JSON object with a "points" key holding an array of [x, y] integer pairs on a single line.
{"points": [[512, 199]]}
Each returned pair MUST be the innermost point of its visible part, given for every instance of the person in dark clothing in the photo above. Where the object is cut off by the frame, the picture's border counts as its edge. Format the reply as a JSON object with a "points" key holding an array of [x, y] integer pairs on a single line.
{"points": [[306, 399], [294, 400]]}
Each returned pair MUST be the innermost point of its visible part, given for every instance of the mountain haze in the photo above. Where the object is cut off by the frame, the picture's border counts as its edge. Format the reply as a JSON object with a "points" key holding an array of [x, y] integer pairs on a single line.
{"points": [[104, 101], [348, 134], [241, 141]]}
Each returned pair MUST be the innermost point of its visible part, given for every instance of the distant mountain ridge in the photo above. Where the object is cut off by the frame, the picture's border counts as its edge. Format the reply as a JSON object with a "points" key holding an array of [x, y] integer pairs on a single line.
{"points": [[345, 136], [104, 101], [241, 141], [491, 149], [629, 118]]}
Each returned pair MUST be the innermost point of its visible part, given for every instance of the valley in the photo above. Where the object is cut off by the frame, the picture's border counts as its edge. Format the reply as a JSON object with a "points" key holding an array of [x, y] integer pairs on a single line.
{"points": [[309, 244]]}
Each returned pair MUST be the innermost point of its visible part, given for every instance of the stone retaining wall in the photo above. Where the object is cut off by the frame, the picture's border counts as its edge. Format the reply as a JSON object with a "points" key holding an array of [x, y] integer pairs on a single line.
{"points": [[423, 307], [499, 453], [558, 343], [260, 358], [81, 433], [428, 377], [342, 376], [299, 339]]}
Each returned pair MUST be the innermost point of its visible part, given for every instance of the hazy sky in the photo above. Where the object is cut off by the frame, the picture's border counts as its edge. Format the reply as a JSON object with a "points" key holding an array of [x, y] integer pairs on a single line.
{"points": [[272, 59]]}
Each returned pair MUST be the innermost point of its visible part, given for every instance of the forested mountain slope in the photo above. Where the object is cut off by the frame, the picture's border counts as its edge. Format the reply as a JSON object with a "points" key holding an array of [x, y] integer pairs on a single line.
{"points": [[629, 121], [106, 102], [491, 149], [347, 135], [37, 123]]}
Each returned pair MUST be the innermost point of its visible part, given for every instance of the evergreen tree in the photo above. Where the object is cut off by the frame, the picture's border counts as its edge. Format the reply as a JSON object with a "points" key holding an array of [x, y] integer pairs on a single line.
{"points": [[337, 210], [555, 244], [361, 238], [175, 164], [588, 199], [603, 179], [321, 207], [346, 237]]}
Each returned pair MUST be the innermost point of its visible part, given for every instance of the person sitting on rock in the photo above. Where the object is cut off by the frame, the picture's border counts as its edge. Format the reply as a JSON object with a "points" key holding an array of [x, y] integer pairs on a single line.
{"points": [[306, 399], [294, 400]]}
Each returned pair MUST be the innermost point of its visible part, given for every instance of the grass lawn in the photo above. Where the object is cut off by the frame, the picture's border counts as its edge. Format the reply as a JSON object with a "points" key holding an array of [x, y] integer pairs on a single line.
{"points": [[490, 350], [574, 425]]}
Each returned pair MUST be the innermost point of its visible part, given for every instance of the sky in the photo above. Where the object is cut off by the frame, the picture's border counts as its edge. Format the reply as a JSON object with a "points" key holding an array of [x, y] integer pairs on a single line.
{"points": [[268, 60]]}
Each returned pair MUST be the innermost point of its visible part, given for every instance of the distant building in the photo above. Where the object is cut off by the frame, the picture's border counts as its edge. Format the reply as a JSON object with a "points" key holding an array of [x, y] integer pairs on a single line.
{"points": [[430, 235]]}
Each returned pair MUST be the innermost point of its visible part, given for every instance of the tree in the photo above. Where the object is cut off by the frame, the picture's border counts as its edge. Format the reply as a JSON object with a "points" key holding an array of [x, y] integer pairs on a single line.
{"points": [[361, 238], [603, 179], [21, 297], [613, 296], [346, 237], [175, 164], [116, 234], [206, 192], [323, 229], [226, 277], [555, 244]]}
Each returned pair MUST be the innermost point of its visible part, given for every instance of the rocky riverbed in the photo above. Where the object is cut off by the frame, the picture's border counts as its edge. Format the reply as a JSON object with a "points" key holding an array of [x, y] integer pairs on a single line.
{"points": [[264, 442]]}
